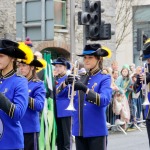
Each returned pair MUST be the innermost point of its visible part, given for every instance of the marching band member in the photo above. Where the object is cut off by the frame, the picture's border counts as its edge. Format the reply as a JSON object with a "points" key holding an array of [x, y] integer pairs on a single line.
{"points": [[63, 118], [30, 122], [13, 94], [140, 80], [94, 95]]}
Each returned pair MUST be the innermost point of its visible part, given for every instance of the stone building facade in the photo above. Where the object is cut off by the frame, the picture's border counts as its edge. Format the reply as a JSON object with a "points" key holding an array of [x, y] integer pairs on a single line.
{"points": [[61, 41], [125, 53]]}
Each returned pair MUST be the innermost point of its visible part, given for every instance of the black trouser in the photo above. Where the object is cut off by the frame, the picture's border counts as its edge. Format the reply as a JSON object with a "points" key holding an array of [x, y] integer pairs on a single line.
{"points": [[91, 143], [31, 141], [64, 133], [148, 129]]}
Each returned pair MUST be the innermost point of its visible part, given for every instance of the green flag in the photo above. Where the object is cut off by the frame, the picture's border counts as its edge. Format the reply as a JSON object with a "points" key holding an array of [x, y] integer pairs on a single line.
{"points": [[47, 137]]}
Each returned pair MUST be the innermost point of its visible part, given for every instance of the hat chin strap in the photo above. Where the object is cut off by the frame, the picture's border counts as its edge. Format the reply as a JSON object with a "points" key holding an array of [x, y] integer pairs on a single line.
{"points": [[95, 67]]}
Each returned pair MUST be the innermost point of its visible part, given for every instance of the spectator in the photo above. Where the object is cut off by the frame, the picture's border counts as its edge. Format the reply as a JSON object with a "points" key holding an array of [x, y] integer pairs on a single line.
{"points": [[133, 101], [114, 65], [124, 82], [132, 69], [115, 74]]}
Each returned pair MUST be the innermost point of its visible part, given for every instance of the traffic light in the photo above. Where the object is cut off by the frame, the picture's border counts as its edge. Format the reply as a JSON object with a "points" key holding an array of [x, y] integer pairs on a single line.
{"points": [[84, 17], [95, 29], [105, 31], [95, 22]]}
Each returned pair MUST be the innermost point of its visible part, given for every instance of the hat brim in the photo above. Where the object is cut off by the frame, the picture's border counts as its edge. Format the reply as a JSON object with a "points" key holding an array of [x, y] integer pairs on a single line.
{"points": [[58, 63], [13, 52], [40, 63], [145, 57], [67, 64], [100, 52]]}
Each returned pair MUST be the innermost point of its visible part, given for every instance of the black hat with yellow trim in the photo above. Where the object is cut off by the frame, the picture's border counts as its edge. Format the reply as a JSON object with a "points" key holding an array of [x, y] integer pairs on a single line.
{"points": [[16, 50], [38, 62], [96, 50]]}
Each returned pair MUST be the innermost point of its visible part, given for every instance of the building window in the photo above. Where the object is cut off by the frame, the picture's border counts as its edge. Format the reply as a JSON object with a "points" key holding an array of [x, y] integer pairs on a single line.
{"points": [[141, 26], [35, 18], [60, 13]]}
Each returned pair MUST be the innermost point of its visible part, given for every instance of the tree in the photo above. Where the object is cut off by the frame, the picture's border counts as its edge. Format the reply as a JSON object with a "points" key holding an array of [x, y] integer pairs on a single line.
{"points": [[124, 17]]}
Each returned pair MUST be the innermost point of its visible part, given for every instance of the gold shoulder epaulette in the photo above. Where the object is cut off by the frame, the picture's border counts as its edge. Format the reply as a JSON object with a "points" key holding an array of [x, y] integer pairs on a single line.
{"points": [[36, 80]]}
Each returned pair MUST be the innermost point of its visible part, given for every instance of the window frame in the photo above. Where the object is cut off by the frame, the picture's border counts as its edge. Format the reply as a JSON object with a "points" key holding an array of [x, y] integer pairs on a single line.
{"points": [[64, 15]]}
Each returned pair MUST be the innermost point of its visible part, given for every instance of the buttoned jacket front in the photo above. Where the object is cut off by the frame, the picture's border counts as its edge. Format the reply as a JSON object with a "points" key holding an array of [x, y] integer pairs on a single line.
{"points": [[89, 119]]}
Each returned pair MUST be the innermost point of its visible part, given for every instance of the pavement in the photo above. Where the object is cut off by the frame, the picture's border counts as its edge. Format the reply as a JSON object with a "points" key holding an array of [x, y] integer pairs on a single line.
{"points": [[134, 140]]}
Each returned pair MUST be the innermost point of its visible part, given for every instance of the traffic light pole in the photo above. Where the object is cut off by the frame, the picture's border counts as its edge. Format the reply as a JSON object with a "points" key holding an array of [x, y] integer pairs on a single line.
{"points": [[84, 35], [72, 30]]}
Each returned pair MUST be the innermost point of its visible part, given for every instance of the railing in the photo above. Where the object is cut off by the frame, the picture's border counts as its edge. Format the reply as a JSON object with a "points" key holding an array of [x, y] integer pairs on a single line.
{"points": [[114, 126]]}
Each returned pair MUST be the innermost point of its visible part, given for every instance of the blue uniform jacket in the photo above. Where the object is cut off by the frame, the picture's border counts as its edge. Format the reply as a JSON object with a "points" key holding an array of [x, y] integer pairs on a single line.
{"points": [[15, 88], [30, 122], [62, 100], [90, 118]]}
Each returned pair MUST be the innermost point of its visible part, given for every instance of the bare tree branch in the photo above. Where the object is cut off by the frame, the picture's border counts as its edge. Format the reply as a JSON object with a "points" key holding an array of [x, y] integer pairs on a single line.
{"points": [[124, 17]]}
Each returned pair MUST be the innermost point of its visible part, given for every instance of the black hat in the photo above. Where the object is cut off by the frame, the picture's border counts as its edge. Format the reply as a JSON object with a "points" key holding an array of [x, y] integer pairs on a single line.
{"points": [[38, 62], [94, 49], [62, 61], [146, 50], [16, 50]]}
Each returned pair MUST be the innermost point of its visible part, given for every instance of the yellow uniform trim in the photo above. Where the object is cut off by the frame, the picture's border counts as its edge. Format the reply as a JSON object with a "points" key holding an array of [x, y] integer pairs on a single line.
{"points": [[12, 114], [33, 103], [10, 110]]}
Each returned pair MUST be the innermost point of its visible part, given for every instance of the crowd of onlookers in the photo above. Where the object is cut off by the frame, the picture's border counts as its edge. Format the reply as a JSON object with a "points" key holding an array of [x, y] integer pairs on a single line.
{"points": [[126, 105]]}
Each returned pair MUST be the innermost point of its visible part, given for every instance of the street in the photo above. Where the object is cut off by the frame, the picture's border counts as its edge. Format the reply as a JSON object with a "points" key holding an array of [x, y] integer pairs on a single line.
{"points": [[134, 140]]}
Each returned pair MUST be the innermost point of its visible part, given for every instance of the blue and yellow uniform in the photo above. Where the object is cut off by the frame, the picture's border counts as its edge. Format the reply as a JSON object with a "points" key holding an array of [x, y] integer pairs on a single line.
{"points": [[90, 120], [13, 94], [15, 88], [62, 100], [30, 122], [63, 116], [93, 95]]}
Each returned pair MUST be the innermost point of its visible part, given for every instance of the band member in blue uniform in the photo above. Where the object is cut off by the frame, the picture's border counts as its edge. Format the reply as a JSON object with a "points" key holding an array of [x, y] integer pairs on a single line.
{"points": [[30, 122], [13, 94], [63, 116], [94, 95], [141, 79]]}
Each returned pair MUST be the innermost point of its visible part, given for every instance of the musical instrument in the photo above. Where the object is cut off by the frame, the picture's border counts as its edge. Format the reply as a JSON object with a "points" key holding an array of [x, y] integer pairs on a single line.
{"points": [[146, 101], [72, 92]]}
